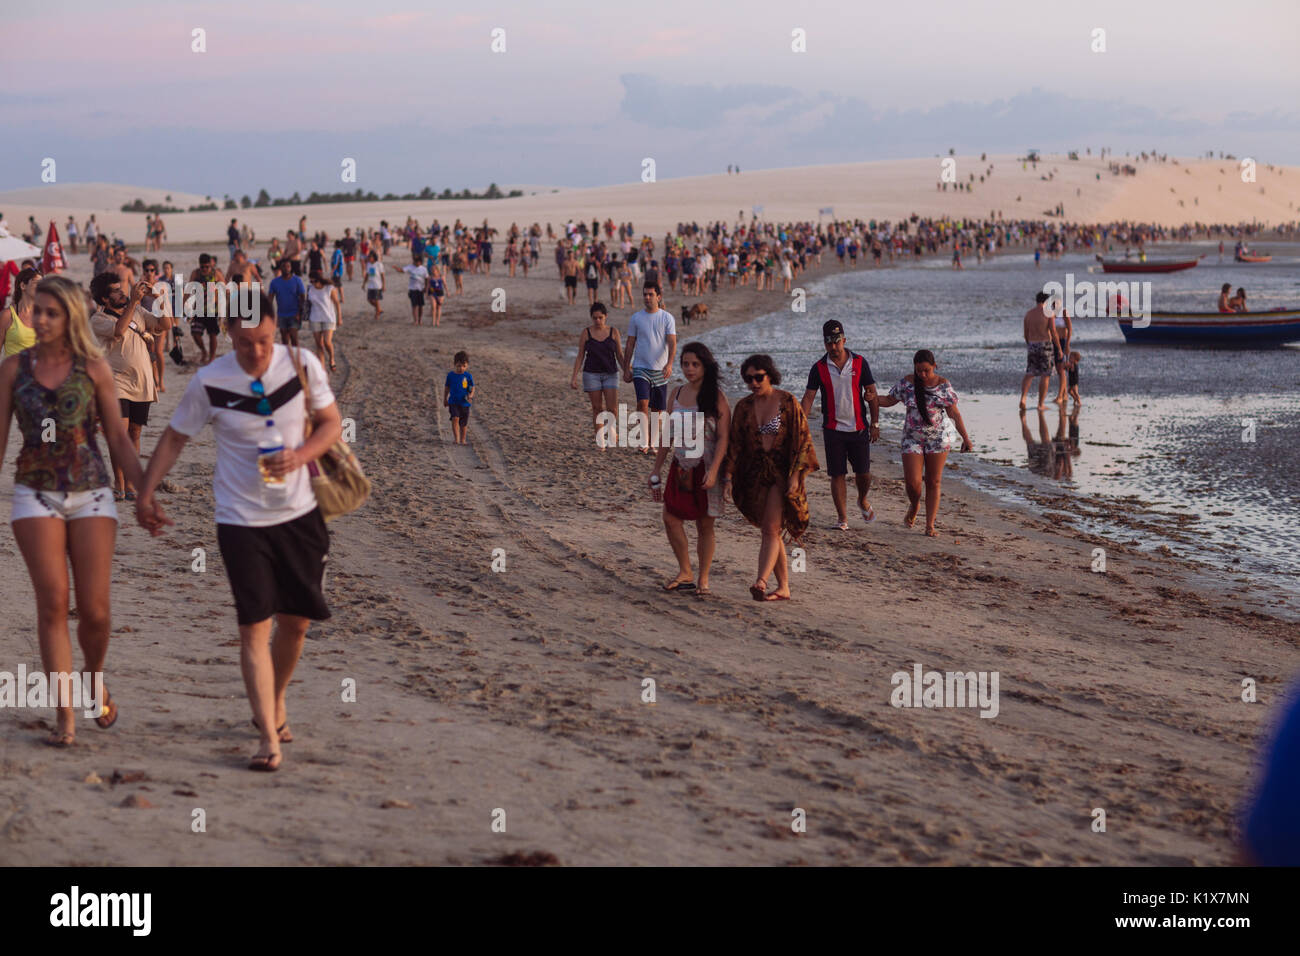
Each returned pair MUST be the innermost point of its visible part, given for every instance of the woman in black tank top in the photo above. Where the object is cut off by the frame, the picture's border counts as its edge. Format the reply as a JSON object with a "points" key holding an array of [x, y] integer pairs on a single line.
{"points": [[600, 360]]}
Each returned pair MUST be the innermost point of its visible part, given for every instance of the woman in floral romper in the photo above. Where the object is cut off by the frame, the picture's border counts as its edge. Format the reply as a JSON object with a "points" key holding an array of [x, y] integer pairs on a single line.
{"points": [[928, 431]]}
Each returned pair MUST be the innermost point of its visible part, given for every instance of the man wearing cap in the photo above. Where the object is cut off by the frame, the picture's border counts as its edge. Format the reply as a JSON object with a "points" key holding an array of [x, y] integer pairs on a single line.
{"points": [[847, 389]]}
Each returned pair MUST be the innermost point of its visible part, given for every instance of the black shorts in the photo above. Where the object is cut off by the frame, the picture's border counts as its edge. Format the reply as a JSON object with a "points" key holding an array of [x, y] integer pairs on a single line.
{"points": [[337, 281], [137, 413], [416, 296], [570, 282], [204, 323], [295, 266], [461, 412], [277, 569], [593, 283], [843, 448]]}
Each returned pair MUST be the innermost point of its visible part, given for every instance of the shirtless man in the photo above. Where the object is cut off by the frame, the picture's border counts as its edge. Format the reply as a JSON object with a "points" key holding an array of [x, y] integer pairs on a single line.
{"points": [[205, 320], [569, 270], [124, 266], [241, 270], [293, 251], [1041, 341]]}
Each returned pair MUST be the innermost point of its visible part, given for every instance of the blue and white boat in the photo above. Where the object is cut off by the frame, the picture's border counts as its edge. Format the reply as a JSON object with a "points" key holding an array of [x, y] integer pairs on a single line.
{"points": [[1237, 330]]}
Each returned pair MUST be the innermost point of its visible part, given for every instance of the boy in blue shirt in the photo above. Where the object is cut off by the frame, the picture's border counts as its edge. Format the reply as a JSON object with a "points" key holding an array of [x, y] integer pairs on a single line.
{"points": [[458, 393]]}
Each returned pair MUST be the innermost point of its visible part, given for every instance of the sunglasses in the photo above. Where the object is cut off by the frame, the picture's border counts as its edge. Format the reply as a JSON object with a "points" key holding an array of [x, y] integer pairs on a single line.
{"points": [[263, 406], [831, 340], [755, 377]]}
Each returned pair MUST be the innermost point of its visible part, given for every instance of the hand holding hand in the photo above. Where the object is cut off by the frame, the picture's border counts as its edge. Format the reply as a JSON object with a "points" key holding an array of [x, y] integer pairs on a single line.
{"points": [[150, 515]]}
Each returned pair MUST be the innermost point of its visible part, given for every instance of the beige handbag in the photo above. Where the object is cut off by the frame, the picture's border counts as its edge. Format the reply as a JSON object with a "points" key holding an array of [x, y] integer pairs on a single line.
{"points": [[340, 485]]}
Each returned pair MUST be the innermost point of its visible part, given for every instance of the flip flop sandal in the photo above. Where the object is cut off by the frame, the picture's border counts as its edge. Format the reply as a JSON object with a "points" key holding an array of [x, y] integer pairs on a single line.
{"points": [[777, 597], [265, 763], [841, 526], [869, 515], [108, 717], [757, 593], [62, 741], [279, 730], [680, 586], [702, 592]]}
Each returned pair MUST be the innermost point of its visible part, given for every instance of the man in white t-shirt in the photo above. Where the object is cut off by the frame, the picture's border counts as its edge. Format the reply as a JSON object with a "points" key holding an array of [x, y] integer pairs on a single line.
{"points": [[273, 541], [648, 356], [417, 281]]}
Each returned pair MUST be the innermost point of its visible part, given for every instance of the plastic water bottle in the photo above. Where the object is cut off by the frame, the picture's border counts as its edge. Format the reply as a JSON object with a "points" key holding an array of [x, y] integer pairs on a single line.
{"points": [[275, 491]]}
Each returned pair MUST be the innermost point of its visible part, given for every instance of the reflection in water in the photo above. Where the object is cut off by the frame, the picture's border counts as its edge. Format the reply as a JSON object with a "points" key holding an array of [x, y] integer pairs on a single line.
{"points": [[1052, 454]]}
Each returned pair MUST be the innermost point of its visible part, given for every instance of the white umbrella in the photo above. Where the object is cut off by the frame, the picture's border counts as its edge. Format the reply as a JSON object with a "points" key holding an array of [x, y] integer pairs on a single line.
{"points": [[11, 247]]}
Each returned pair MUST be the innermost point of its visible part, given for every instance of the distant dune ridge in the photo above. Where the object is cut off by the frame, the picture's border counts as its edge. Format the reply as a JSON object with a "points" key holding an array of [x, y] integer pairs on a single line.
{"points": [[1209, 190]]}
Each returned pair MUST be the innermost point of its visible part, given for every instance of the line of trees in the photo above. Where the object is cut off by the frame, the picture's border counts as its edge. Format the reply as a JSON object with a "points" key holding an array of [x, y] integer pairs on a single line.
{"points": [[264, 199], [360, 195]]}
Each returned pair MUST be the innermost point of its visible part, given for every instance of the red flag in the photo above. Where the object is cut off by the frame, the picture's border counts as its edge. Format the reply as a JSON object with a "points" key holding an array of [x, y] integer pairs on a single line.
{"points": [[52, 260]]}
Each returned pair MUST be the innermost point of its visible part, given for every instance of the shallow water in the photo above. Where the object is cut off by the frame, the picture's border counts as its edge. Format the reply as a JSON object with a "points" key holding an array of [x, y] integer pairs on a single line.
{"points": [[1204, 432]]}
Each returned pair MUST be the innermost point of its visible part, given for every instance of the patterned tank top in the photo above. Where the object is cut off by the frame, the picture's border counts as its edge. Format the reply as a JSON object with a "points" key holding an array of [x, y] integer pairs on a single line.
{"points": [[71, 462]]}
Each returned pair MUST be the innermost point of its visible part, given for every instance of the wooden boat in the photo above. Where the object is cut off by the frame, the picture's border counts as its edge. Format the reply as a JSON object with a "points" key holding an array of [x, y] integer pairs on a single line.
{"points": [[1241, 330], [1151, 265], [1251, 258]]}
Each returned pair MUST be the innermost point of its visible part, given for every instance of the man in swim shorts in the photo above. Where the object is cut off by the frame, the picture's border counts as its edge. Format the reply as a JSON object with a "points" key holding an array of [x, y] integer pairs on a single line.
{"points": [[1041, 342]]}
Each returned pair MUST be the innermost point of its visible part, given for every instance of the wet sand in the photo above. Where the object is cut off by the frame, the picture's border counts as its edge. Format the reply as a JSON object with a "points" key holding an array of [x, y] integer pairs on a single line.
{"points": [[521, 690]]}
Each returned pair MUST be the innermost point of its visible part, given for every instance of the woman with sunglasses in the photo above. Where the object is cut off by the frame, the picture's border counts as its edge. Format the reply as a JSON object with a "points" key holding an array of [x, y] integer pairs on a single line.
{"points": [[63, 504], [160, 307], [768, 456]]}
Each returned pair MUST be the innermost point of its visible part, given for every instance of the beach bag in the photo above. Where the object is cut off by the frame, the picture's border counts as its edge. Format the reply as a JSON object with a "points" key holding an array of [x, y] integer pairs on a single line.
{"points": [[340, 485]]}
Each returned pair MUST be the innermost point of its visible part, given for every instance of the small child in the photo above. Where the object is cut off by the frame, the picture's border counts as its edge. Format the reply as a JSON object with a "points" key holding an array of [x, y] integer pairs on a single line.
{"points": [[458, 394], [1073, 380], [437, 290]]}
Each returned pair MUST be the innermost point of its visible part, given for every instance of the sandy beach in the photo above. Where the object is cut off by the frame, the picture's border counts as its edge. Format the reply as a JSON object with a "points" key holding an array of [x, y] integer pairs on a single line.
{"points": [[521, 690], [1167, 193]]}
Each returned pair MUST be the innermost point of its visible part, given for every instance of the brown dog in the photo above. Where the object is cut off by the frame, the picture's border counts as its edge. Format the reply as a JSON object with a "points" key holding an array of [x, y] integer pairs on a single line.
{"points": [[692, 312]]}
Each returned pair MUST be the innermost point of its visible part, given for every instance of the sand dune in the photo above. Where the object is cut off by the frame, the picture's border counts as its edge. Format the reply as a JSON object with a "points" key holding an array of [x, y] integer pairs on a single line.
{"points": [[1209, 190]]}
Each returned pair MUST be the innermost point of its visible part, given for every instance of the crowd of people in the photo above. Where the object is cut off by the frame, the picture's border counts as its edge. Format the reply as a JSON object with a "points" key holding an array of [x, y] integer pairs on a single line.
{"points": [[94, 359]]}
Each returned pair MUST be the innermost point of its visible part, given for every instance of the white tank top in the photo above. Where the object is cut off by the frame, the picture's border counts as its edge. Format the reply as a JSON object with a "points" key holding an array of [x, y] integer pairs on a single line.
{"points": [[322, 308]]}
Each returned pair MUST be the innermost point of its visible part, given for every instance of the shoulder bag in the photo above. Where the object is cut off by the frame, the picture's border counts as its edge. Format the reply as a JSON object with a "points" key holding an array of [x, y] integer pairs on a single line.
{"points": [[340, 485]]}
